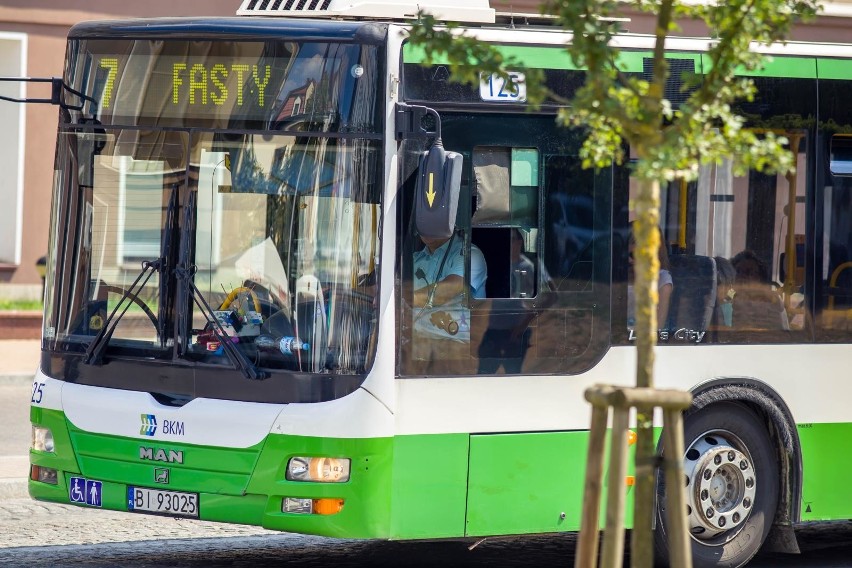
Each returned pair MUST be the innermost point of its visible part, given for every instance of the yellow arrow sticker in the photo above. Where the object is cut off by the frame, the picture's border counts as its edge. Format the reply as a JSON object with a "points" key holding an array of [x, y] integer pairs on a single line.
{"points": [[430, 195]]}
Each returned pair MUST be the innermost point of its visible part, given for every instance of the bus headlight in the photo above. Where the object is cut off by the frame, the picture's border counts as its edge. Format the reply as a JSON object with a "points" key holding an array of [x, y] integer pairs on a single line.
{"points": [[42, 439], [311, 506], [325, 470]]}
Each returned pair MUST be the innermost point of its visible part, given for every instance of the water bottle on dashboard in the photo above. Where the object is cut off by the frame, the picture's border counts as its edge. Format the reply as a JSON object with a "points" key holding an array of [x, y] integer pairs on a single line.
{"points": [[287, 345]]}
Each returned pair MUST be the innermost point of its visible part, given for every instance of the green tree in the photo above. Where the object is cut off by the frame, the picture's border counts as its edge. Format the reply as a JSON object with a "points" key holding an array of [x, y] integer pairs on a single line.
{"points": [[669, 142]]}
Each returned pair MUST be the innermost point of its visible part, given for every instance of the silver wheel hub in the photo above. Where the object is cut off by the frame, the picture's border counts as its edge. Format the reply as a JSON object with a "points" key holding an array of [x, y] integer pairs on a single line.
{"points": [[721, 485]]}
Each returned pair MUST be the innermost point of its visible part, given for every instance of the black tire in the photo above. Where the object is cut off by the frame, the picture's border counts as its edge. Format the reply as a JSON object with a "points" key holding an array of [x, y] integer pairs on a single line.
{"points": [[728, 424]]}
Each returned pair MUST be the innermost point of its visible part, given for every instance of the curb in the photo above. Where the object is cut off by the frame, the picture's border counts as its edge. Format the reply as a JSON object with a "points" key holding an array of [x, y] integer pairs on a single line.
{"points": [[14, 489], [16, 378]]}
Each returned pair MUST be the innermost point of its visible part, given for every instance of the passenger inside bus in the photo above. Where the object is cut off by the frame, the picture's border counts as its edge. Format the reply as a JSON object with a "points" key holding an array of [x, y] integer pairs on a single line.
{"points": [[665, 284], [723, 311], [757, 305]]}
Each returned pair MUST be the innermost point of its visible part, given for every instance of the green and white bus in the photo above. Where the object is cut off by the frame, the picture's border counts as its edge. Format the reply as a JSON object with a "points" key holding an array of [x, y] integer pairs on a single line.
{"points": [[242, 323]]}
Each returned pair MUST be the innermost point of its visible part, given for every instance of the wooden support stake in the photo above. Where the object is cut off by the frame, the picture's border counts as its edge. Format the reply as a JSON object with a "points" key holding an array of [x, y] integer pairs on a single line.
{"points": [[613, 546], [602, 397], [680, 552], [587, 545]]}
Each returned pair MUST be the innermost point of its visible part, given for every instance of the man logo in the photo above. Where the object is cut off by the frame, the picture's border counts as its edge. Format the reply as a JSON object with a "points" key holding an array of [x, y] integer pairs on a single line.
{"points": [[160, 455], [161, 475], [149, 425]]}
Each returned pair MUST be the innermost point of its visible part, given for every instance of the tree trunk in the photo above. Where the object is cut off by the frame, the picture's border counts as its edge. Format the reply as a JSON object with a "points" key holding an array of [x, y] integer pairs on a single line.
{"points": [[646, 273]]}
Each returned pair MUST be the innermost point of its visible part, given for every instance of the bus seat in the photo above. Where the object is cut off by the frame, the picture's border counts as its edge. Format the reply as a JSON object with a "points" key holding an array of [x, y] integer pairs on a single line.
{"points": [[693, 293]]}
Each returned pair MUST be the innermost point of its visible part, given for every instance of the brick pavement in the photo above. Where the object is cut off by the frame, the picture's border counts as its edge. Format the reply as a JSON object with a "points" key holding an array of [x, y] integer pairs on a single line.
{"points": [[24, 522]]}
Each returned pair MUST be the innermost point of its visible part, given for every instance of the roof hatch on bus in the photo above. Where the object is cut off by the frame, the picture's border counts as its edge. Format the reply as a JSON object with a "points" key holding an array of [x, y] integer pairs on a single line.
{"points": [[455, 10]]}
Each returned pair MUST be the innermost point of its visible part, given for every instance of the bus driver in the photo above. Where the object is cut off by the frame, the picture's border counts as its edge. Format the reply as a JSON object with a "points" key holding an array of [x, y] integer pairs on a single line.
{"points": [[439, 293]]}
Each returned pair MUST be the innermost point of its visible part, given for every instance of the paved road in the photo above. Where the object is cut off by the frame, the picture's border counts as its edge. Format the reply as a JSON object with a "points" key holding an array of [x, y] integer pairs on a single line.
{"points": [[39, 534], [14, 418]]}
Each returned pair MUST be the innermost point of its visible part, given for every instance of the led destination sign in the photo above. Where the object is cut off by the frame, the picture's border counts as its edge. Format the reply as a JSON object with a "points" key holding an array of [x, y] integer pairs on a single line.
{"points": [[226, 83], [214, 80], [180, 86]]}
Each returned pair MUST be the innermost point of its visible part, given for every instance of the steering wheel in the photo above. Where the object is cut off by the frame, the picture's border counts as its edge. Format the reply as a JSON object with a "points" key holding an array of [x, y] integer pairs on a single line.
{"points": [[234, 294], [133, 298]]}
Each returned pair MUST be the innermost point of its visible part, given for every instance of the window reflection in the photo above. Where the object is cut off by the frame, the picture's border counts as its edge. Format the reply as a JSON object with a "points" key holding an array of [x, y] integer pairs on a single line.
{"points": [[542, 225], [287, 248], [736, 250]]}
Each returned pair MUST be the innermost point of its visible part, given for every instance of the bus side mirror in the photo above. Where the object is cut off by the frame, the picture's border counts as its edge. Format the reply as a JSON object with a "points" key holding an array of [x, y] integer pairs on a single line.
{"points": [[436, 196]]}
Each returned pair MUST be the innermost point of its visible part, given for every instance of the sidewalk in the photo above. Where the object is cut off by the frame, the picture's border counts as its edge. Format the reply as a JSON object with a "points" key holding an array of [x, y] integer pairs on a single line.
{"points": [[13, 477], [19, 359]]}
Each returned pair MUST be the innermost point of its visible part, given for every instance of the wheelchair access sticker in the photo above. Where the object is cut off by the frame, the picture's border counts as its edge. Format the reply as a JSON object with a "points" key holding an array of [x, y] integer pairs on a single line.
{"points": [[88, 491]]}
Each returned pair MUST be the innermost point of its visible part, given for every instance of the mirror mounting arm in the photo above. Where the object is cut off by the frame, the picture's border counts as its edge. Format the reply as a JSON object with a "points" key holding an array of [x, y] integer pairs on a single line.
{"points": [[409, 122], [57, 89]]}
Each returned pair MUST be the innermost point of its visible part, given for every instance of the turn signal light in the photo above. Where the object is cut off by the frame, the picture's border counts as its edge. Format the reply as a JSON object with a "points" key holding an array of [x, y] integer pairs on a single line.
{"points": [[325, 506]]}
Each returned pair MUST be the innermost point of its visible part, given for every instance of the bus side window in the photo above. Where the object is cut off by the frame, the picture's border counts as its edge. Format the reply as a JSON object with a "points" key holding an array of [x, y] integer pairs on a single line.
{"points": [[515, 269], [835, 300], [572, 224], [506, 186], [505, 198]]}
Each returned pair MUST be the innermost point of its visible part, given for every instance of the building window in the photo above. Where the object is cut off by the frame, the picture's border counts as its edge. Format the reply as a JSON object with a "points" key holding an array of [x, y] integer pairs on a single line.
{"points": [[13, 52]]}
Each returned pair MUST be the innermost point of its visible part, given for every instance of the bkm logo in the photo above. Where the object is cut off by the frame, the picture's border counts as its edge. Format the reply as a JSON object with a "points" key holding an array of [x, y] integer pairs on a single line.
{"points": [[149, 425]]}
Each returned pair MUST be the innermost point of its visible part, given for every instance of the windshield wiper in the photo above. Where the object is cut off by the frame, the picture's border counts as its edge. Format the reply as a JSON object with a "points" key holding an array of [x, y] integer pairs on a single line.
{"points": [[166, 253], [95, 351], [236, 356], [185, 273]]}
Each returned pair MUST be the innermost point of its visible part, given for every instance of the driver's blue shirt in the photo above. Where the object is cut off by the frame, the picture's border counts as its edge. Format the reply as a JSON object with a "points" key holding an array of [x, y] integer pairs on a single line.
{"points": [[449, 320], [430, 264]]}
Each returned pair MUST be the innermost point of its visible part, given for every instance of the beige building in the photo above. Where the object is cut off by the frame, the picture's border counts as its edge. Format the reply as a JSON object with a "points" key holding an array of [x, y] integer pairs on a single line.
{"points": [[32, 43]]}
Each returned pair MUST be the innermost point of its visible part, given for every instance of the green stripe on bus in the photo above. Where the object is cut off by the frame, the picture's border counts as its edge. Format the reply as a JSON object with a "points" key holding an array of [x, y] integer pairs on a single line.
{"points": [[405, 487], [366, 496], [825, 467], [63, 458], [537, 57], [834, 69], [773, 66], [531, 56], [634, 61], [429, 486], [523, 483]]}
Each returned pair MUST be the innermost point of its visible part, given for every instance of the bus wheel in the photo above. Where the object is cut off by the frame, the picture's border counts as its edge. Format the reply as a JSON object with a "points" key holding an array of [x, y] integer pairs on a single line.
{"points": [[731, 486]]}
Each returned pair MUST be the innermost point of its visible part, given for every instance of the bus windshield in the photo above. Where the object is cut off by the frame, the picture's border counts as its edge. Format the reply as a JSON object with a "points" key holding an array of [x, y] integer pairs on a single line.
{"points": [[239, 190]]}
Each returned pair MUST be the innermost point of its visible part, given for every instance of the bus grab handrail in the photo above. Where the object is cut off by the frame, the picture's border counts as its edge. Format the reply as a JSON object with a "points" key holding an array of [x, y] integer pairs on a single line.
{"points": [[833, 281]]}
